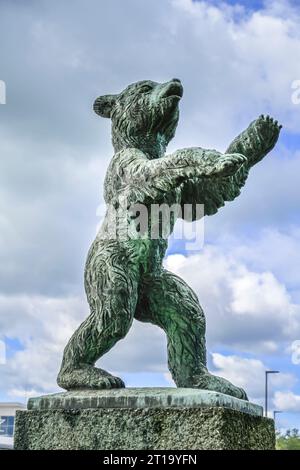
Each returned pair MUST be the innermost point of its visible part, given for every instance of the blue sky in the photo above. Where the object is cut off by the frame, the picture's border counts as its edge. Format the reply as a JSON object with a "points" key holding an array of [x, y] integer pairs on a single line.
{"points": [[250, 4], [235, 64]]}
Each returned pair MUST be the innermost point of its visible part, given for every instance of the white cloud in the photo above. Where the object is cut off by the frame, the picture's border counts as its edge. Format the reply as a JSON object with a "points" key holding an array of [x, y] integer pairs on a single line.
{"points": [[42, 327], [248, 309], [54, 153], [239, 306], [43, 330], [254, 293], [287, 401], [272, 249], [244, 70], [249, 374], [23, 393]]}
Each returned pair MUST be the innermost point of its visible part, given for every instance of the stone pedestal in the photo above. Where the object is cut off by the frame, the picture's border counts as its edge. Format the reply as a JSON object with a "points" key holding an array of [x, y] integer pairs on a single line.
{"points": [[142, 418]]}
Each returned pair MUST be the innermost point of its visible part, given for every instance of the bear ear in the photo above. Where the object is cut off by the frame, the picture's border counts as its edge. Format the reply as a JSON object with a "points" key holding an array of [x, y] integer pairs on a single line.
{"points": [[104, 104]]}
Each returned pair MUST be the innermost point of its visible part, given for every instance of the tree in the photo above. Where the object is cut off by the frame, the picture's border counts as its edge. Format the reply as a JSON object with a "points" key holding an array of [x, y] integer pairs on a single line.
{"points": [[288, 441]]}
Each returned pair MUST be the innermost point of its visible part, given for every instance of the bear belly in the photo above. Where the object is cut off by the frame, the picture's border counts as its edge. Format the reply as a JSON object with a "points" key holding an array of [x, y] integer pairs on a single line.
{"points": [[140, 256]]}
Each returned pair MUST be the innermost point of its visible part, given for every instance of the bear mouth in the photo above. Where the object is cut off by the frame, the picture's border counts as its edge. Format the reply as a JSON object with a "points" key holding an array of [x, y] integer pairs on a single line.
{"points": [[174, 90]]}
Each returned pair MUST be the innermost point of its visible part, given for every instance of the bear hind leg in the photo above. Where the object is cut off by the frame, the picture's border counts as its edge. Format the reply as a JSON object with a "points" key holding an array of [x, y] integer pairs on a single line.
{"points": [[110, 319], [85, 347], [168, 302]]}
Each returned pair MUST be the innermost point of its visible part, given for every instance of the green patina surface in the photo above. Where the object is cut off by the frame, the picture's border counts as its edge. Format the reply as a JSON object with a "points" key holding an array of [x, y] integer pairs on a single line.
{"points": [[124, 277], [142, 398]]}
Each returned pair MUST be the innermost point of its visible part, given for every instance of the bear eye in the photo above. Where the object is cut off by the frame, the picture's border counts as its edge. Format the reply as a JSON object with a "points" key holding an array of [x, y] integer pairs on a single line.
{"points": [[146, 88]]}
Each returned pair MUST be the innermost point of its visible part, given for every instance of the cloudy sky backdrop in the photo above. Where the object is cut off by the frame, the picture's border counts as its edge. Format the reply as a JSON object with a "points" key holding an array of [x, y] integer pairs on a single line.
{"points": [[236, 59]]}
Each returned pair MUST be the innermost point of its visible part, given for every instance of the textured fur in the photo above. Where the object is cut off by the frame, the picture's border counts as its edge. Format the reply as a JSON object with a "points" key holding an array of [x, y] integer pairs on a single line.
{"points": [[124, 277]]}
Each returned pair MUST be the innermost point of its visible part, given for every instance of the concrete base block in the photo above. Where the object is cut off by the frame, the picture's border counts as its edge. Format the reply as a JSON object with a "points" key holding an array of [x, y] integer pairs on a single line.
{"points": [[150, 419]]}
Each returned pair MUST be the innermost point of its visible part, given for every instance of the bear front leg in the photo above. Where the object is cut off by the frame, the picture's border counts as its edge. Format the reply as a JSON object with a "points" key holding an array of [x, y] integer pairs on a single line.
{"points": [[257, 140], [195, 162], [167, 301], [164, 174]]}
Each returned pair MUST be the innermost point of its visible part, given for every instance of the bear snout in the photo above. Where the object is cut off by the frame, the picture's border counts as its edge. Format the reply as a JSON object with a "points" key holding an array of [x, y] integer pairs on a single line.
{"points": [[173, 88]]}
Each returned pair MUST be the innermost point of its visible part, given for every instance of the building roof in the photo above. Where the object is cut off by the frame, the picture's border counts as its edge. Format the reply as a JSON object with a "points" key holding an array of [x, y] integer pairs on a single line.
{"points": [[11, 404]]}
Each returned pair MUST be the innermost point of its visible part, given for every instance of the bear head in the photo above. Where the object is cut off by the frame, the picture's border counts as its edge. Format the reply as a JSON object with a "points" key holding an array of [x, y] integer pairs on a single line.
{"points": [[144, 115]]}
